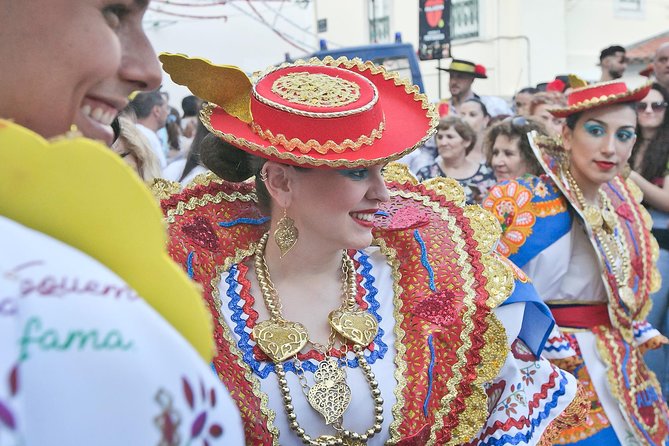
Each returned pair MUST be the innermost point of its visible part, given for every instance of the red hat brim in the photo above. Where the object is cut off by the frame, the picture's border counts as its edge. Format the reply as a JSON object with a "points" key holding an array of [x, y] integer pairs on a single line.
{"points": [[600, 95], [410, 120]]}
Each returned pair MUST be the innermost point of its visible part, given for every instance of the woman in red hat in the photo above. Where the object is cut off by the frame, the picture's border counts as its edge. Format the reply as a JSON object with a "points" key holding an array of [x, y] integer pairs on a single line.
{"points": [[581, 235], [352, 304]]}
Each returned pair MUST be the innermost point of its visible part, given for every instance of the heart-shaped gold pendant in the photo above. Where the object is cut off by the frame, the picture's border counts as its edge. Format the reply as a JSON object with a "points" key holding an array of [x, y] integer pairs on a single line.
{"points": [[359, 327], [280, 340], [330, 396]]}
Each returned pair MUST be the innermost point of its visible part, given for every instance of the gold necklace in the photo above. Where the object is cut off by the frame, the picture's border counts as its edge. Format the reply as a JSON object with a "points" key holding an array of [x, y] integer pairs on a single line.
{"points": [[330, 395], [607, 231]]}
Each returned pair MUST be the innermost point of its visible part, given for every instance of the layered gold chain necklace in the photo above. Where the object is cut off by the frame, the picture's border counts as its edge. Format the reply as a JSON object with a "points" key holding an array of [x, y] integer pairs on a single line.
{"points": [[607, 230], [330, 395]]}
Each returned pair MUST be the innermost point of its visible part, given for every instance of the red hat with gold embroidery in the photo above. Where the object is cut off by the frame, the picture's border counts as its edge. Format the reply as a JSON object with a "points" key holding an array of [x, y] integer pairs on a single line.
{"points": [[331, 113], [585, 97]]}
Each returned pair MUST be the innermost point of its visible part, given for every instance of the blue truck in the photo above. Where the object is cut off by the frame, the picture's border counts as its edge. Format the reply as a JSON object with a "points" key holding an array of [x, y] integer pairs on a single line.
{"points": [[400, 57]]}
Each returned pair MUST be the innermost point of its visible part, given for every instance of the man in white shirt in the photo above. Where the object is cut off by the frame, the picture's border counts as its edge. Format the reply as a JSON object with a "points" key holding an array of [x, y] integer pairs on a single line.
{"points": [[152, 110]]}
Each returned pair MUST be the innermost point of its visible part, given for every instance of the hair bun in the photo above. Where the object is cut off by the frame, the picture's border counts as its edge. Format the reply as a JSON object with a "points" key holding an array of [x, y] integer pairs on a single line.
{"points": [[226, 160]]}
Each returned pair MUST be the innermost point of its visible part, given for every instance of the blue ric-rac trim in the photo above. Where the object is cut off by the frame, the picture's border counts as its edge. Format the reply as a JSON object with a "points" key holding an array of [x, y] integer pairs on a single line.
{"points": [[525, 436], [429, 376], [189, 264], [236, 317], [263, 369], [644, 329], [380, 347], [552, 348], [243, 221], [424, 260]]}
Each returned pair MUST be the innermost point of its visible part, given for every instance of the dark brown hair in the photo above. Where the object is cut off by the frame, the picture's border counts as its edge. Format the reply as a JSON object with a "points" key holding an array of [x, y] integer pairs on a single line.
{"points": [[235, 165], [512, 130], [654, 162]]}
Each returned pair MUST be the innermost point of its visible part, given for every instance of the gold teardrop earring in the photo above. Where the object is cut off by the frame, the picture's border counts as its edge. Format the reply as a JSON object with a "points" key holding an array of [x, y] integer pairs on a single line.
{"points": [[285, 234]]}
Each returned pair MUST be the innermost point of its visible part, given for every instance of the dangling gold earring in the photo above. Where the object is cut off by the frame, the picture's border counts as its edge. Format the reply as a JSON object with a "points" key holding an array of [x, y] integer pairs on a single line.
{"points": [[286, 234]]}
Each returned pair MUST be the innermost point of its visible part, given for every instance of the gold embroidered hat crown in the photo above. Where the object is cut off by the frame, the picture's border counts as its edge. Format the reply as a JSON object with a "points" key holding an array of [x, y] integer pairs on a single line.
{"points": [[333, 113]]}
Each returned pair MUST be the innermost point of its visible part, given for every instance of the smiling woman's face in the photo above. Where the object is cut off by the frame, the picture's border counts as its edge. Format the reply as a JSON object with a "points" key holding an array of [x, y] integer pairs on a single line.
{"points": [[73, 62]]}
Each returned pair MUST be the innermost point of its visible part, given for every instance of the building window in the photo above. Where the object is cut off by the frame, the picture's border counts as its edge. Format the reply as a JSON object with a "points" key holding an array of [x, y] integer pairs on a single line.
{"points": [[379, 21], [628, 5], [464, 19]]}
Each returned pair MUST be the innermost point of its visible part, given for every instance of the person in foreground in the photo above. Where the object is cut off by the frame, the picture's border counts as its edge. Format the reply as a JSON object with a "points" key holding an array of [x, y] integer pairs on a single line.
{"points": [[581, 235], [352, 304], [103, 340]]}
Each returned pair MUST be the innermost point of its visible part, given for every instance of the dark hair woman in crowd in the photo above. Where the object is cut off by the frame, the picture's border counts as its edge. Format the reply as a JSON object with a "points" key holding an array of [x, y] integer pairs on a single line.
{"points": [[650, 170], [474, 112]]}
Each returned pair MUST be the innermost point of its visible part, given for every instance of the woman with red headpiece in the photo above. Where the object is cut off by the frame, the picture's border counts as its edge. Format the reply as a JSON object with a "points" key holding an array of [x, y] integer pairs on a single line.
{"points": [[352, 304], [581, 235]]}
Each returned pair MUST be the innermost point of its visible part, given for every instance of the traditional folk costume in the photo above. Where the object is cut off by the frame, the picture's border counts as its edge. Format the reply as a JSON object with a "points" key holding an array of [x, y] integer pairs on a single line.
{"points": [[595, 270], [427, 356], [103, 340]]}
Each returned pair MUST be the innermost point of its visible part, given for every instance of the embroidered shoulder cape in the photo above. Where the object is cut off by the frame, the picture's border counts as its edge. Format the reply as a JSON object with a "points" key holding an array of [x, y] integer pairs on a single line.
{"points": [[448, 280]]}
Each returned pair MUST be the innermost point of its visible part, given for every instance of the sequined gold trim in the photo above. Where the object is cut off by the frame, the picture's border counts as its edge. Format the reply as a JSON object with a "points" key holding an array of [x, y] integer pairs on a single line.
{"points": [[473, 418], [654, 249], [312, 144], [399, 173], [634, 190], [400, 348], [448, 188], [195, 202], [572, 416], [500, 281], [269, 414], [495, 357], [204, 179], [599, 101], [306, 160], [162, 188], [487, 229]]}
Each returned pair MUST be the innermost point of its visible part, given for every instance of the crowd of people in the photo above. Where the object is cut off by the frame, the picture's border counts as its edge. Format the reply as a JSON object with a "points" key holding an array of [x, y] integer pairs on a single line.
{"points": [[352, 268]]}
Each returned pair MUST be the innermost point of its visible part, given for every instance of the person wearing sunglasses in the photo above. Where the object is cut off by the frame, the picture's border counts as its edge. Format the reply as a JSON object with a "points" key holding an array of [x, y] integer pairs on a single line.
{"points": [[650, 164], [580, 234], [508, 150]]}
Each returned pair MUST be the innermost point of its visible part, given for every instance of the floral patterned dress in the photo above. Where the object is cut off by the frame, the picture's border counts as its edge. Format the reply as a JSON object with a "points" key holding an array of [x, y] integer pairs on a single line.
{"points": [[476, 186]]}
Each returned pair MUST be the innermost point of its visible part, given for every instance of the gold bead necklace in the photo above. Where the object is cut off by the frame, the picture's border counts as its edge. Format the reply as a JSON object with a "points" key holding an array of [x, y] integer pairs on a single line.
{"points": [[608, 232], [330, 395]]}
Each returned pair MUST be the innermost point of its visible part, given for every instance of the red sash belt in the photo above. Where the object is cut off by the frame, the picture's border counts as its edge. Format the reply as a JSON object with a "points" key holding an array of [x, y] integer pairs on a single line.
{"points": [[580, 316]]}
